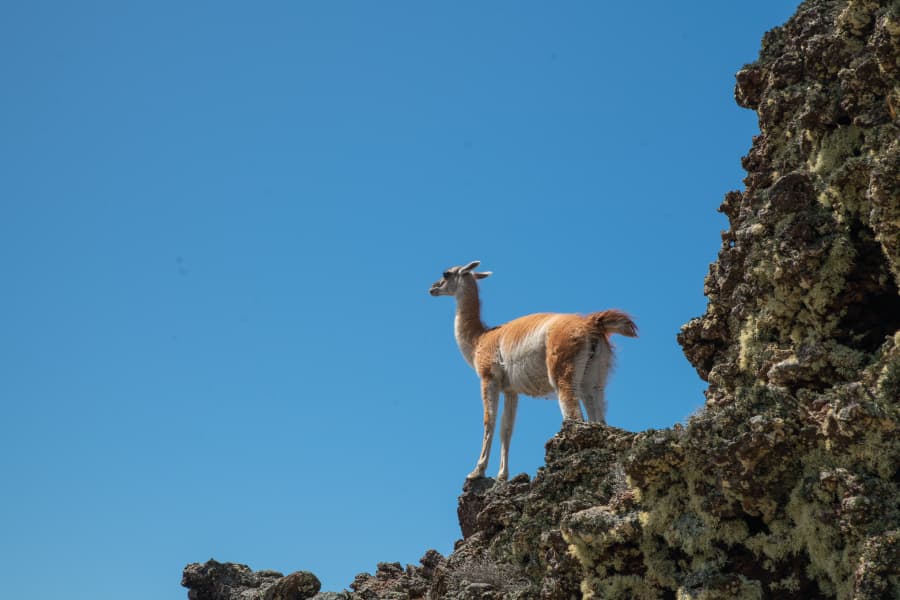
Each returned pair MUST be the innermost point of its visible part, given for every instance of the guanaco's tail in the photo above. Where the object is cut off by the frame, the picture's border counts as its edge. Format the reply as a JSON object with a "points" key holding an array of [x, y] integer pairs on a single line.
{"points": [[608, 322]]}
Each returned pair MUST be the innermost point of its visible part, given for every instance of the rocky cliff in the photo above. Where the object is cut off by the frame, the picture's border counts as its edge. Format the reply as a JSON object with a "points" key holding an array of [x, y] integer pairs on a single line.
{"points": [[787, 484]]}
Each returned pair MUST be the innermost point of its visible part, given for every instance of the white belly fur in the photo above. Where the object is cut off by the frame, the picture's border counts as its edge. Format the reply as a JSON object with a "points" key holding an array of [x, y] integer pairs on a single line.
{"points": [[524, 364]]}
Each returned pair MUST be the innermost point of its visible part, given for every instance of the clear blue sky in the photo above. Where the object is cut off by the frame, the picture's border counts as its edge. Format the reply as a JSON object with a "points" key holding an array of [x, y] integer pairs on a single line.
{"points": [[218, 225]]}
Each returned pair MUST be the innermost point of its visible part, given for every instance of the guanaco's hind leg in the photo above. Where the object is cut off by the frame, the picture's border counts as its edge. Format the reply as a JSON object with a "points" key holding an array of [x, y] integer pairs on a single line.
{"points": [[566, 366], [593, 384], [595, 404]]}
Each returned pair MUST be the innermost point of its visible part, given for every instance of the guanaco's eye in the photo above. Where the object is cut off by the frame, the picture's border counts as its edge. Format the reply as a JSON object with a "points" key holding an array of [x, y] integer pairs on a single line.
{"points": [[447, 274]]}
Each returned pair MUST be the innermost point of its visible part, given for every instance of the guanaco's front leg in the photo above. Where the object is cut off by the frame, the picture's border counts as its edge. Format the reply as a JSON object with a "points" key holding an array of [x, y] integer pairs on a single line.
{"points": [[490, 396], [510, 403]]}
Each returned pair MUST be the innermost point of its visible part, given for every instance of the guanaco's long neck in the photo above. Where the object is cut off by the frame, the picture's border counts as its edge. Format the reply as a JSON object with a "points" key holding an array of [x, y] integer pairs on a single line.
{"points": [[468, 326]]}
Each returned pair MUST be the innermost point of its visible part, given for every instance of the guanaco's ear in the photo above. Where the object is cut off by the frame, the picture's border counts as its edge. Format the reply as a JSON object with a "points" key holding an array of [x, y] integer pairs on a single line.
{"points": [[483, 275], [470, 266]]}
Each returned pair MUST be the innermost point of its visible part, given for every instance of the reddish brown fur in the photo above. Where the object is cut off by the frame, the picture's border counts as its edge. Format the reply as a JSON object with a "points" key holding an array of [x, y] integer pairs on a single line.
{"points": [[508, 334], [471, 326], [565, 340], [612, 321]]}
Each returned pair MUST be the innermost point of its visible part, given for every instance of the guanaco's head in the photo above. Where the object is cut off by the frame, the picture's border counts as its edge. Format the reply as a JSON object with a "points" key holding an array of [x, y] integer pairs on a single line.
{"points": [[454, 279]]}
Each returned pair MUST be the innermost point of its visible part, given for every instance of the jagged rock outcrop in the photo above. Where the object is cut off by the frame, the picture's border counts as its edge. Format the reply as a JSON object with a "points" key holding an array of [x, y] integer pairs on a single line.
{"points": [[213, 580], [805, 287], [787, 484]]}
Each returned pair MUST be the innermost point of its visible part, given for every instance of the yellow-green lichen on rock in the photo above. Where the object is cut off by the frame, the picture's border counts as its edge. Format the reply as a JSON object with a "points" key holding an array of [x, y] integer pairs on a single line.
{"points": [[790, 475]]}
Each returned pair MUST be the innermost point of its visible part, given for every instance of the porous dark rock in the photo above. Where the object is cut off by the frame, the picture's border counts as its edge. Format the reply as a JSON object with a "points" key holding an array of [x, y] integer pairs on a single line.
{"points": [[392, 580], [213, 580], [299, 585], [471, 502]]}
